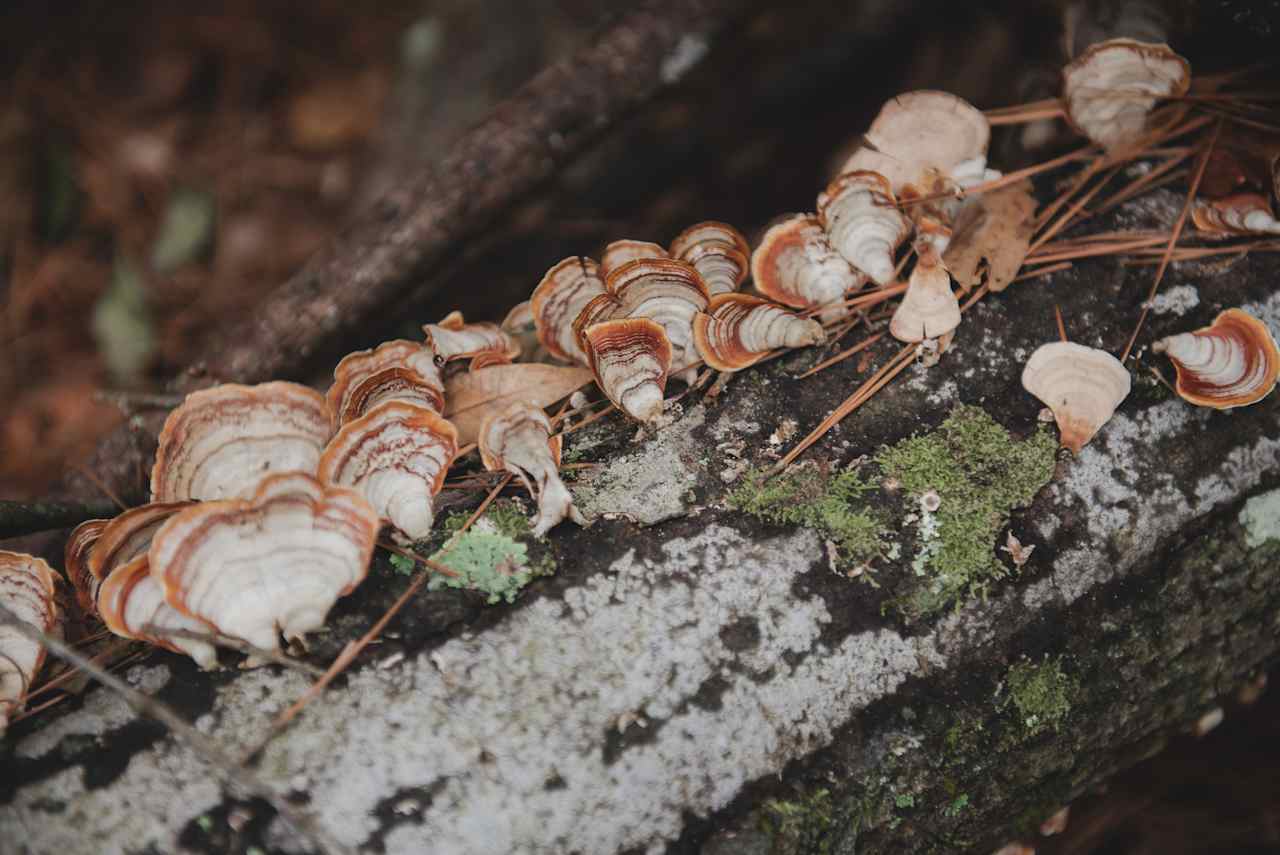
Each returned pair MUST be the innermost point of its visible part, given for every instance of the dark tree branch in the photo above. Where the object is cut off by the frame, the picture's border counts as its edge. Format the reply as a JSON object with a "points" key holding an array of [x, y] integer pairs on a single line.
{"points": [[22, 518]]}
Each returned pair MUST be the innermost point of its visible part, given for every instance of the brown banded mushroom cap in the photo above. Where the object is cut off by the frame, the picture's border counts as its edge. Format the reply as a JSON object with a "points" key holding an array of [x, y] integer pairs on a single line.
{"points": [[924, 136], [719, 253], [398, 370], [519, 441], [454, 338], [630, 358], [625, 251], [76, 553], [220, 442], [28, 589], [1109, 89], [270, 565], [930, 308], [1233, 362], [1081, 385], [1239, 214], [863, 222], [127, 536], [132, 605], [796, 265], [557, 301], [396, 455], [738, 329], [668, 292]]}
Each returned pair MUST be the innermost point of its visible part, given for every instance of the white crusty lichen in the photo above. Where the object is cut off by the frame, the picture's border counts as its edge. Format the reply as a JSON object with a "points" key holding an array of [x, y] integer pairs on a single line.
{"points": [[1261, 519]]}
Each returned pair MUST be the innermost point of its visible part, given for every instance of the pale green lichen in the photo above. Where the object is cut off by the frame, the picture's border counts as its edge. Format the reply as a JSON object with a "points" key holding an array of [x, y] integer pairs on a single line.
{"points": [[1261, 519], [1041, 694], [829, 504], [957, 805], [980, 474]]}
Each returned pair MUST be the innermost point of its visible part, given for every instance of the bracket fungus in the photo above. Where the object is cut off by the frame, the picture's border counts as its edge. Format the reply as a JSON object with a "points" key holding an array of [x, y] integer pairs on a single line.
{"points": [[796, 265], [453, 338], [738, 329], [270, 565], [719, 253], [630, 359], [519, 440], [665, 291], [560, 297], [1241, 214], [396, 455], [625, 251], [1109, 90], [1081, 385], [398, 370], [220, 442], [929, 309], [863, 222], [79, 545], [28, 589], [1233, 362]]}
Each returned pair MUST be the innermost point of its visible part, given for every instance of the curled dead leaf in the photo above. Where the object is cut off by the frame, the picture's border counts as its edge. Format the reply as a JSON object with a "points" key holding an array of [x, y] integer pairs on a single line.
{"points": [[473, 397], [996, 228]]}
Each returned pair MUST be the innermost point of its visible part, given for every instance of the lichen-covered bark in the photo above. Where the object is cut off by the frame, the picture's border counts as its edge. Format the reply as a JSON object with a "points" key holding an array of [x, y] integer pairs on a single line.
{"points": [[709, 674]]}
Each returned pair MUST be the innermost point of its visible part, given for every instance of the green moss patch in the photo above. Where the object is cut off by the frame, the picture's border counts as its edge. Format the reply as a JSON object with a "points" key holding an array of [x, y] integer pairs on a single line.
{"points": [[799, 826], [1041, 695], [980, 474], [831, 505]]}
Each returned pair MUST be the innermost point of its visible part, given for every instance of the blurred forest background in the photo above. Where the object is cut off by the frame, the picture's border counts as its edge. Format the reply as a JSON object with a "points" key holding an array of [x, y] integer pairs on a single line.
{"points": [[162, 169]]}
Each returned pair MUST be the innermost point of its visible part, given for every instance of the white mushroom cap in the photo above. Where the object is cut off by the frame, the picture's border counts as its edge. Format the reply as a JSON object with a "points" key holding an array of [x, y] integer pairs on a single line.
{"points": [[1109, 89], [519, 440], [929, 309], [27, 588], [1081, 385]]}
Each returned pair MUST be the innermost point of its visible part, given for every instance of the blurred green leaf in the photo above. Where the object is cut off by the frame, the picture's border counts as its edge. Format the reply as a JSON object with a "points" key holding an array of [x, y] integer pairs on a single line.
{"points": [[122, 324], [186, 232]]}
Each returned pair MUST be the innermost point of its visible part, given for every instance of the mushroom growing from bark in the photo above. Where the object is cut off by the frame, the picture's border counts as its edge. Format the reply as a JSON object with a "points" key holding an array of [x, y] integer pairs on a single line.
{"points": [[453, 338], [28, 589], [1081, 385], [519, 440], [221, 442], [270, 565], [863, 222], [398, 370], [1110, 89], [557, 302], [1233, 362], [79, 545], [738, 329], [929, 309], [396, 455], [796, 265], [719, 253], [665, 291], [1240, 214], [630, 359], [625, 251]]}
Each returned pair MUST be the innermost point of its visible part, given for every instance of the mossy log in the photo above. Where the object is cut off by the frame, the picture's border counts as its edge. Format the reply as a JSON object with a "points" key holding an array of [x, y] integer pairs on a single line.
{"points": [[703, 673]]}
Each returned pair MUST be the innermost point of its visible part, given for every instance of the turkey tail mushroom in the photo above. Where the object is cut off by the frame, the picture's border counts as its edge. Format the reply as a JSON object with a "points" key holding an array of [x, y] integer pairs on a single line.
{"points": [[863, 222], [557, 302], [453, 338], [929, 309], [1110, 89], [519, 441], [398, 370], [76, 553], [1081, 385], [719, 253], [625, 251], [630, 359], [270, 565], [738, 329], [28, 589], [1241, 214], [796, 265], [1233, 362], [396, 455], [220, 442], [665, 291]]}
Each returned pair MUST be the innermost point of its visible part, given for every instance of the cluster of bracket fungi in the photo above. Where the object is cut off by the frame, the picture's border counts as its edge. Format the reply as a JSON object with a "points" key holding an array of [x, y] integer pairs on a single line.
{"points": [[267, 501]]}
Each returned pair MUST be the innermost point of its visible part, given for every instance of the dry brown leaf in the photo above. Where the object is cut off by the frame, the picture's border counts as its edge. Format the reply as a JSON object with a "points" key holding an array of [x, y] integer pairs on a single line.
{"points": [[475, 395], [991, 236]]}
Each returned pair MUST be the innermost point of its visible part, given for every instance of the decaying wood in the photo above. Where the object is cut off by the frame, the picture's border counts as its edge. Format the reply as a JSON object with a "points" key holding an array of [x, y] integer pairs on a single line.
{"points": [[22, 518]]}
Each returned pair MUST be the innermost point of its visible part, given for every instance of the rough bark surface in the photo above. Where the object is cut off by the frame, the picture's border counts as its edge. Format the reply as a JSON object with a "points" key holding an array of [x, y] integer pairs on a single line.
{"points": [[690, 675]]}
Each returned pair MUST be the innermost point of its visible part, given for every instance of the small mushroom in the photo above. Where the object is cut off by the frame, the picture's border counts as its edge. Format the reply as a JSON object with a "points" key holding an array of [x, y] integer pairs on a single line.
{"points": [[519, 325], [1081, 385], [220, 442], [557, 301], [454, 338], [1240, 214], [738, 329], [797, 266], [863, 222], [630, 358], [271, 564], [668, 292], [1233, 362], [719, 253], [396, 455], [76, 561], [929, 309], [395, 370], [1110, 89], [132, 605], [28, 589], [925, 142], [625, 251], [519, 440]]}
